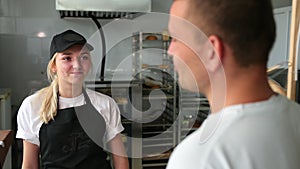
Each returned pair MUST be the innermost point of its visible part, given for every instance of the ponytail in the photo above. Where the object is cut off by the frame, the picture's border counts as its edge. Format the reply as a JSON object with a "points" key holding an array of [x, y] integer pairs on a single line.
{"points": [[49, 105]]}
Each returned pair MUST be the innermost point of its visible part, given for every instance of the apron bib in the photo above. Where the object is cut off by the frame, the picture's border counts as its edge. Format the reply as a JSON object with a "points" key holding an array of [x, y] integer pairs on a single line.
{"points": [[65, 143]]}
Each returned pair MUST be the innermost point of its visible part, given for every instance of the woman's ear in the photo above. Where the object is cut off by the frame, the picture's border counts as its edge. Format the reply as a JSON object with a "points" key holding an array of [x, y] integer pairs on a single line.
{"points": [[53, 68]]}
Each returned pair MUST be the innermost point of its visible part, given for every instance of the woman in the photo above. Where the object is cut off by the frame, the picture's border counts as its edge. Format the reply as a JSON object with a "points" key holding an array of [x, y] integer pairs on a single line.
{"points": [[63, 125]]}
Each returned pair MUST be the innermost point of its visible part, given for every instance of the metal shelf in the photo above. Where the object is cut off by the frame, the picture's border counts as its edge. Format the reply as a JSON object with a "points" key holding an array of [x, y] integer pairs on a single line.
{"points": [[167, 85]]}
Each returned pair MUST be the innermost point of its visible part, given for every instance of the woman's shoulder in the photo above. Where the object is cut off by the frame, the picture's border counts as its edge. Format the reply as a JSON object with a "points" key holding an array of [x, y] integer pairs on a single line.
{"points": [[30, 106], [34, 98]]}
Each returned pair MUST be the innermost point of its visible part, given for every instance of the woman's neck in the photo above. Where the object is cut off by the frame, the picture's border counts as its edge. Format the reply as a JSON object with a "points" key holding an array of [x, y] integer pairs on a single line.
{"points": [[70, 92]]}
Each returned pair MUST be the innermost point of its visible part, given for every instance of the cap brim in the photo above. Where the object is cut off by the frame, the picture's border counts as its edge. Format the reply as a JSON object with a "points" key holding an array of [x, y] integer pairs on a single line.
{"points": [[87, 45]]}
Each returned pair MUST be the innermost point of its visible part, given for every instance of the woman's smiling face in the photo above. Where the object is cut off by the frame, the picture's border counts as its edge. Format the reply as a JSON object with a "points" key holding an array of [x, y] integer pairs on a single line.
{"points": [[72, 65]]}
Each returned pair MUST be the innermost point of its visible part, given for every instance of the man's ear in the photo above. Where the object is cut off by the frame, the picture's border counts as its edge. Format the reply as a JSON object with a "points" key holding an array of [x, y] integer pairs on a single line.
{"points": [[218, 45], [216, 53]]}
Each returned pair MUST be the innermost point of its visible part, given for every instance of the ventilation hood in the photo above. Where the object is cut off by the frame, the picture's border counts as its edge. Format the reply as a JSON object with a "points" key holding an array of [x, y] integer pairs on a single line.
{"points": [[105, 9]]}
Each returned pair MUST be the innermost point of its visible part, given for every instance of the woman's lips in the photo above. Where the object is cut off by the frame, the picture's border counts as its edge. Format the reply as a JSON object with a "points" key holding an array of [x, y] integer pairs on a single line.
{"points": [[77, 73]]}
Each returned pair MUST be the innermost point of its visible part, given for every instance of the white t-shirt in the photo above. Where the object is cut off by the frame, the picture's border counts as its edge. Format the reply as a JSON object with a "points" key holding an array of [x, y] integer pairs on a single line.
{"points": [[29, 121], [261, 135]]}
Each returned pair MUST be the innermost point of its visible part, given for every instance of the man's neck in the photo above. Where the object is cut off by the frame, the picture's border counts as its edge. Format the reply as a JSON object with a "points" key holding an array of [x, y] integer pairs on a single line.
{"points": [[241, 88]]}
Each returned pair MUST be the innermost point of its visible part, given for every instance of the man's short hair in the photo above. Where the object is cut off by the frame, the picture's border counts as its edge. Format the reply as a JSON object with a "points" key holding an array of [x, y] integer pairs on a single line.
{"points": [[247, 26]]}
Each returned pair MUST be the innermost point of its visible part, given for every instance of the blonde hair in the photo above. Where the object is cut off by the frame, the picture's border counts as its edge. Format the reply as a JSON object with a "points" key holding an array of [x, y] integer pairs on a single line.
{"points": [[49, 105]]}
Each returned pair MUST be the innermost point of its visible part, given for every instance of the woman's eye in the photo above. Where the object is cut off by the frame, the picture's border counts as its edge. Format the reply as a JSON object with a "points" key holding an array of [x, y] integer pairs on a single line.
{"points": [[84, 57], [67, 58]]}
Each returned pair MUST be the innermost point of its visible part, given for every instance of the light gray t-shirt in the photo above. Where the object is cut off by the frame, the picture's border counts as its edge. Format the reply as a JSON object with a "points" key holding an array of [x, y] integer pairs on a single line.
{"points": [[261, 135]]}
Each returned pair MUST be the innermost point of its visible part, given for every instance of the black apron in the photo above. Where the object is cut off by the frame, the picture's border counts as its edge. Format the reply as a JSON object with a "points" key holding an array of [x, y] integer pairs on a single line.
{"points": [[65, 144]]}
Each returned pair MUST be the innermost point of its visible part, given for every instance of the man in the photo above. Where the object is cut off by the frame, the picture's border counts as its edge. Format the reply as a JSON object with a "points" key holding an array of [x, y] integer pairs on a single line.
{"points": [[250, 126]]}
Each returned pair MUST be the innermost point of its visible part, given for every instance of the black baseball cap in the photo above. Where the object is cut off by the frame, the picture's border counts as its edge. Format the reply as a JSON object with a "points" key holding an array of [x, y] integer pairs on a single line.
{"points": [[66, 39]]}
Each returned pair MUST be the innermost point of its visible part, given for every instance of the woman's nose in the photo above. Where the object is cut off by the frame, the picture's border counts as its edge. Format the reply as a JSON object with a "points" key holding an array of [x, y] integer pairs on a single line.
{"points": [[77, 63]]}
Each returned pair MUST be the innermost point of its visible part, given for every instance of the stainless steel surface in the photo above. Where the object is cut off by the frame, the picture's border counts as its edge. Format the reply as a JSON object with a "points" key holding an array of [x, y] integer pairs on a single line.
{"points": [[281, 3]]}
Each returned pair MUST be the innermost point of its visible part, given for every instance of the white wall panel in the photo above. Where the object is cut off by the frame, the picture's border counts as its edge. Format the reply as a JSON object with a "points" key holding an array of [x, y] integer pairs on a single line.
{"points": [[280, 51]]}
